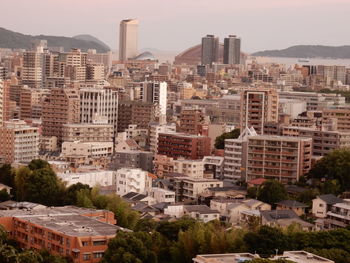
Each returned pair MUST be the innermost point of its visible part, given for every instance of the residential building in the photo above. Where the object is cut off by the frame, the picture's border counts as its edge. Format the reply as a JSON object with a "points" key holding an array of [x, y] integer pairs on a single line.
{"points": [[235, 210], [132, 159], [341, 117], [190, 168], [338, 216], [198, 212], [297, 207], [79, 233], [88, 132], [210, 50], [162, 195], [322, 204], [133, 180], [155, 129], [191, 121], [32, 71], [61, 106], [135, 112], [155, 92], [19, 142], [302, 257], [258, 106], [91, 178], [163, 165], [232, 50], [214, 165], [235, 155], [95, 72], [223, 258], [191, 188], [179, 145], [99, 102], [128, 39], [278, 157], [323, 141], [48, 143], [87, 149]]}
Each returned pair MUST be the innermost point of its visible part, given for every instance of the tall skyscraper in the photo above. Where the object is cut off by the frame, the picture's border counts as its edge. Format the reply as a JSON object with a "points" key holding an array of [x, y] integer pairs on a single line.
{"points": [[232, 50], [210, 49], [128, 38]]}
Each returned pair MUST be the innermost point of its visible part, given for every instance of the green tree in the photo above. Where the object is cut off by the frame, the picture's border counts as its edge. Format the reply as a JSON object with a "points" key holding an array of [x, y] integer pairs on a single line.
{"points": [[7, 175], [333, 166], [38, 164], [266, 240], [70, 196], [220, 140], [271, 192], [131, 247], [4, 196], [39, 186]]}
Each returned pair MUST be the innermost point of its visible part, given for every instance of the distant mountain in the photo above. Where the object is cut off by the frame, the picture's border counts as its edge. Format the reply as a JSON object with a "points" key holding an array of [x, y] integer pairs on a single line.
{"points": [[87, 37], [10, 39], [307, 51]]}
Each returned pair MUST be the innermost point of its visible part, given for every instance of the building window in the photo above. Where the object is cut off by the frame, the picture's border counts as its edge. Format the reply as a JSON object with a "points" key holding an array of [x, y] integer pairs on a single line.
{"points": [[99, 243], [86, 257], [98, 254], [85, 243]]}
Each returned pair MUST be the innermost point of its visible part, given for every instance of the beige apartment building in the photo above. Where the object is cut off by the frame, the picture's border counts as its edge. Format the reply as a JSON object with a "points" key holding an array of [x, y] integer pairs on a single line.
{"points": [[258, 106], [191, 168], [191, 188], [322, 141], [19, 142], [88, 132], [278, 157], [32, 70], [87, 149], [60, 107], [95, 72], [341, 117]]}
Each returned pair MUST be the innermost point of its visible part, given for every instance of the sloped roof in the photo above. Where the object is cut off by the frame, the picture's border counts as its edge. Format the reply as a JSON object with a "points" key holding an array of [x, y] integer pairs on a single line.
{"points": [[330, 199], [291, 203]]}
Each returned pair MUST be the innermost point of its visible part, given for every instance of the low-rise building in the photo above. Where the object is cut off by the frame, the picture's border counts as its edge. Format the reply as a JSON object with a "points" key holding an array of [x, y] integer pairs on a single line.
{"points": [[132, 159], [297, 207], [133, 180], [91, 178], [215, 166], [190, 168], [88, 132], [322, 204], [162, 195], [191, 188], [224, 258], [79, 233], [302, 257], [87, 149]]}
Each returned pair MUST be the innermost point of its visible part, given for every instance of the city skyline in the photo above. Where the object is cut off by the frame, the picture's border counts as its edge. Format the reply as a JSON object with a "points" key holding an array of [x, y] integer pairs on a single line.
{"points": [[178, 25]]}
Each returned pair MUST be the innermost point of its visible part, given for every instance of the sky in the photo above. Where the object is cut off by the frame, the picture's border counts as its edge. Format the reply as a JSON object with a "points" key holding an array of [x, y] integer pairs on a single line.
{"points": [[179, 24]]}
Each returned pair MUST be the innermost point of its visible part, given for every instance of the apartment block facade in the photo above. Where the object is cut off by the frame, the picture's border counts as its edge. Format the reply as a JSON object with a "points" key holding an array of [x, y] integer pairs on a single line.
{"points": [[278, 157], [179, 145], [19, 142]]}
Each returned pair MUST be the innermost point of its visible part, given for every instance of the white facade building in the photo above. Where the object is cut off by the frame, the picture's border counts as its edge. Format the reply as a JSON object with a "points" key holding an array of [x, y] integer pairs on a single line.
{"points": [[161, 195], [87, 149], [191, 168], [234, 156], [155, 129], [133, 180], [93, 178]]}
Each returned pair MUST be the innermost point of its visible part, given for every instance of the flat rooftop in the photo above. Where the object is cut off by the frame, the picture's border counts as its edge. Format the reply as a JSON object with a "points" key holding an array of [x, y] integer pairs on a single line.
{"points": [[73, 225], [303, 257], [224, 258]]}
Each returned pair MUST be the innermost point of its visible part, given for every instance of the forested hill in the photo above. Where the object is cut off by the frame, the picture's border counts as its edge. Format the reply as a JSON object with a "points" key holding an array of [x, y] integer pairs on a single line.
{"points": [[308, 51], [10, 39]]}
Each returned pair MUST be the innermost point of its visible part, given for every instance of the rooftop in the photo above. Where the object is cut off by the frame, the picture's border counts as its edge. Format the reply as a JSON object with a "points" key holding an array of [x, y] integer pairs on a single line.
{"points": [[224, 258], [330, 199], [74, 225]]}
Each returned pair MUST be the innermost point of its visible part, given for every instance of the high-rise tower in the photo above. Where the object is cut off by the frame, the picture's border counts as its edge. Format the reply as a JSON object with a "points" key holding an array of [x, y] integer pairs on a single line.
{"points": [[232, 50], [128, 38], [210, 49]]}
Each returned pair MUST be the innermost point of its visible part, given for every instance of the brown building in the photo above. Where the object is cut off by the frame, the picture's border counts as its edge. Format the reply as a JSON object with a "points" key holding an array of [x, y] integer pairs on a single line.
{"points": [[62, 106], [79, 233], [135, 112], [278, 157], [183, 145], [258, 106], [191, 122]]}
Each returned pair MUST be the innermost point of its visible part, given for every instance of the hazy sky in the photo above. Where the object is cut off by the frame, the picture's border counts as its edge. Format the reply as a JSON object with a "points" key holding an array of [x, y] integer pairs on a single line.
{"points": [[179, 24]]}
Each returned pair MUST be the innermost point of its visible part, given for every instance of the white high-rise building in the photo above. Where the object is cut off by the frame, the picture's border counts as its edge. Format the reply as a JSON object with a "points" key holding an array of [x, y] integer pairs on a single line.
{"points": [[99, 102], [128, 39]]}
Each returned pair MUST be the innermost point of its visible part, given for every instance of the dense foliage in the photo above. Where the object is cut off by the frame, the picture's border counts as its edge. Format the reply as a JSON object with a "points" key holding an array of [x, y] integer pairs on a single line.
{"points": [[271, 192], [220, 140]]}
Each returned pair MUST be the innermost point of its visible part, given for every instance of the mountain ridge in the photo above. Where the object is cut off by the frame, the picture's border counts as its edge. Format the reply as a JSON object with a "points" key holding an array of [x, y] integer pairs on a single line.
{"points": [[11, 39], [308, 51]]}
